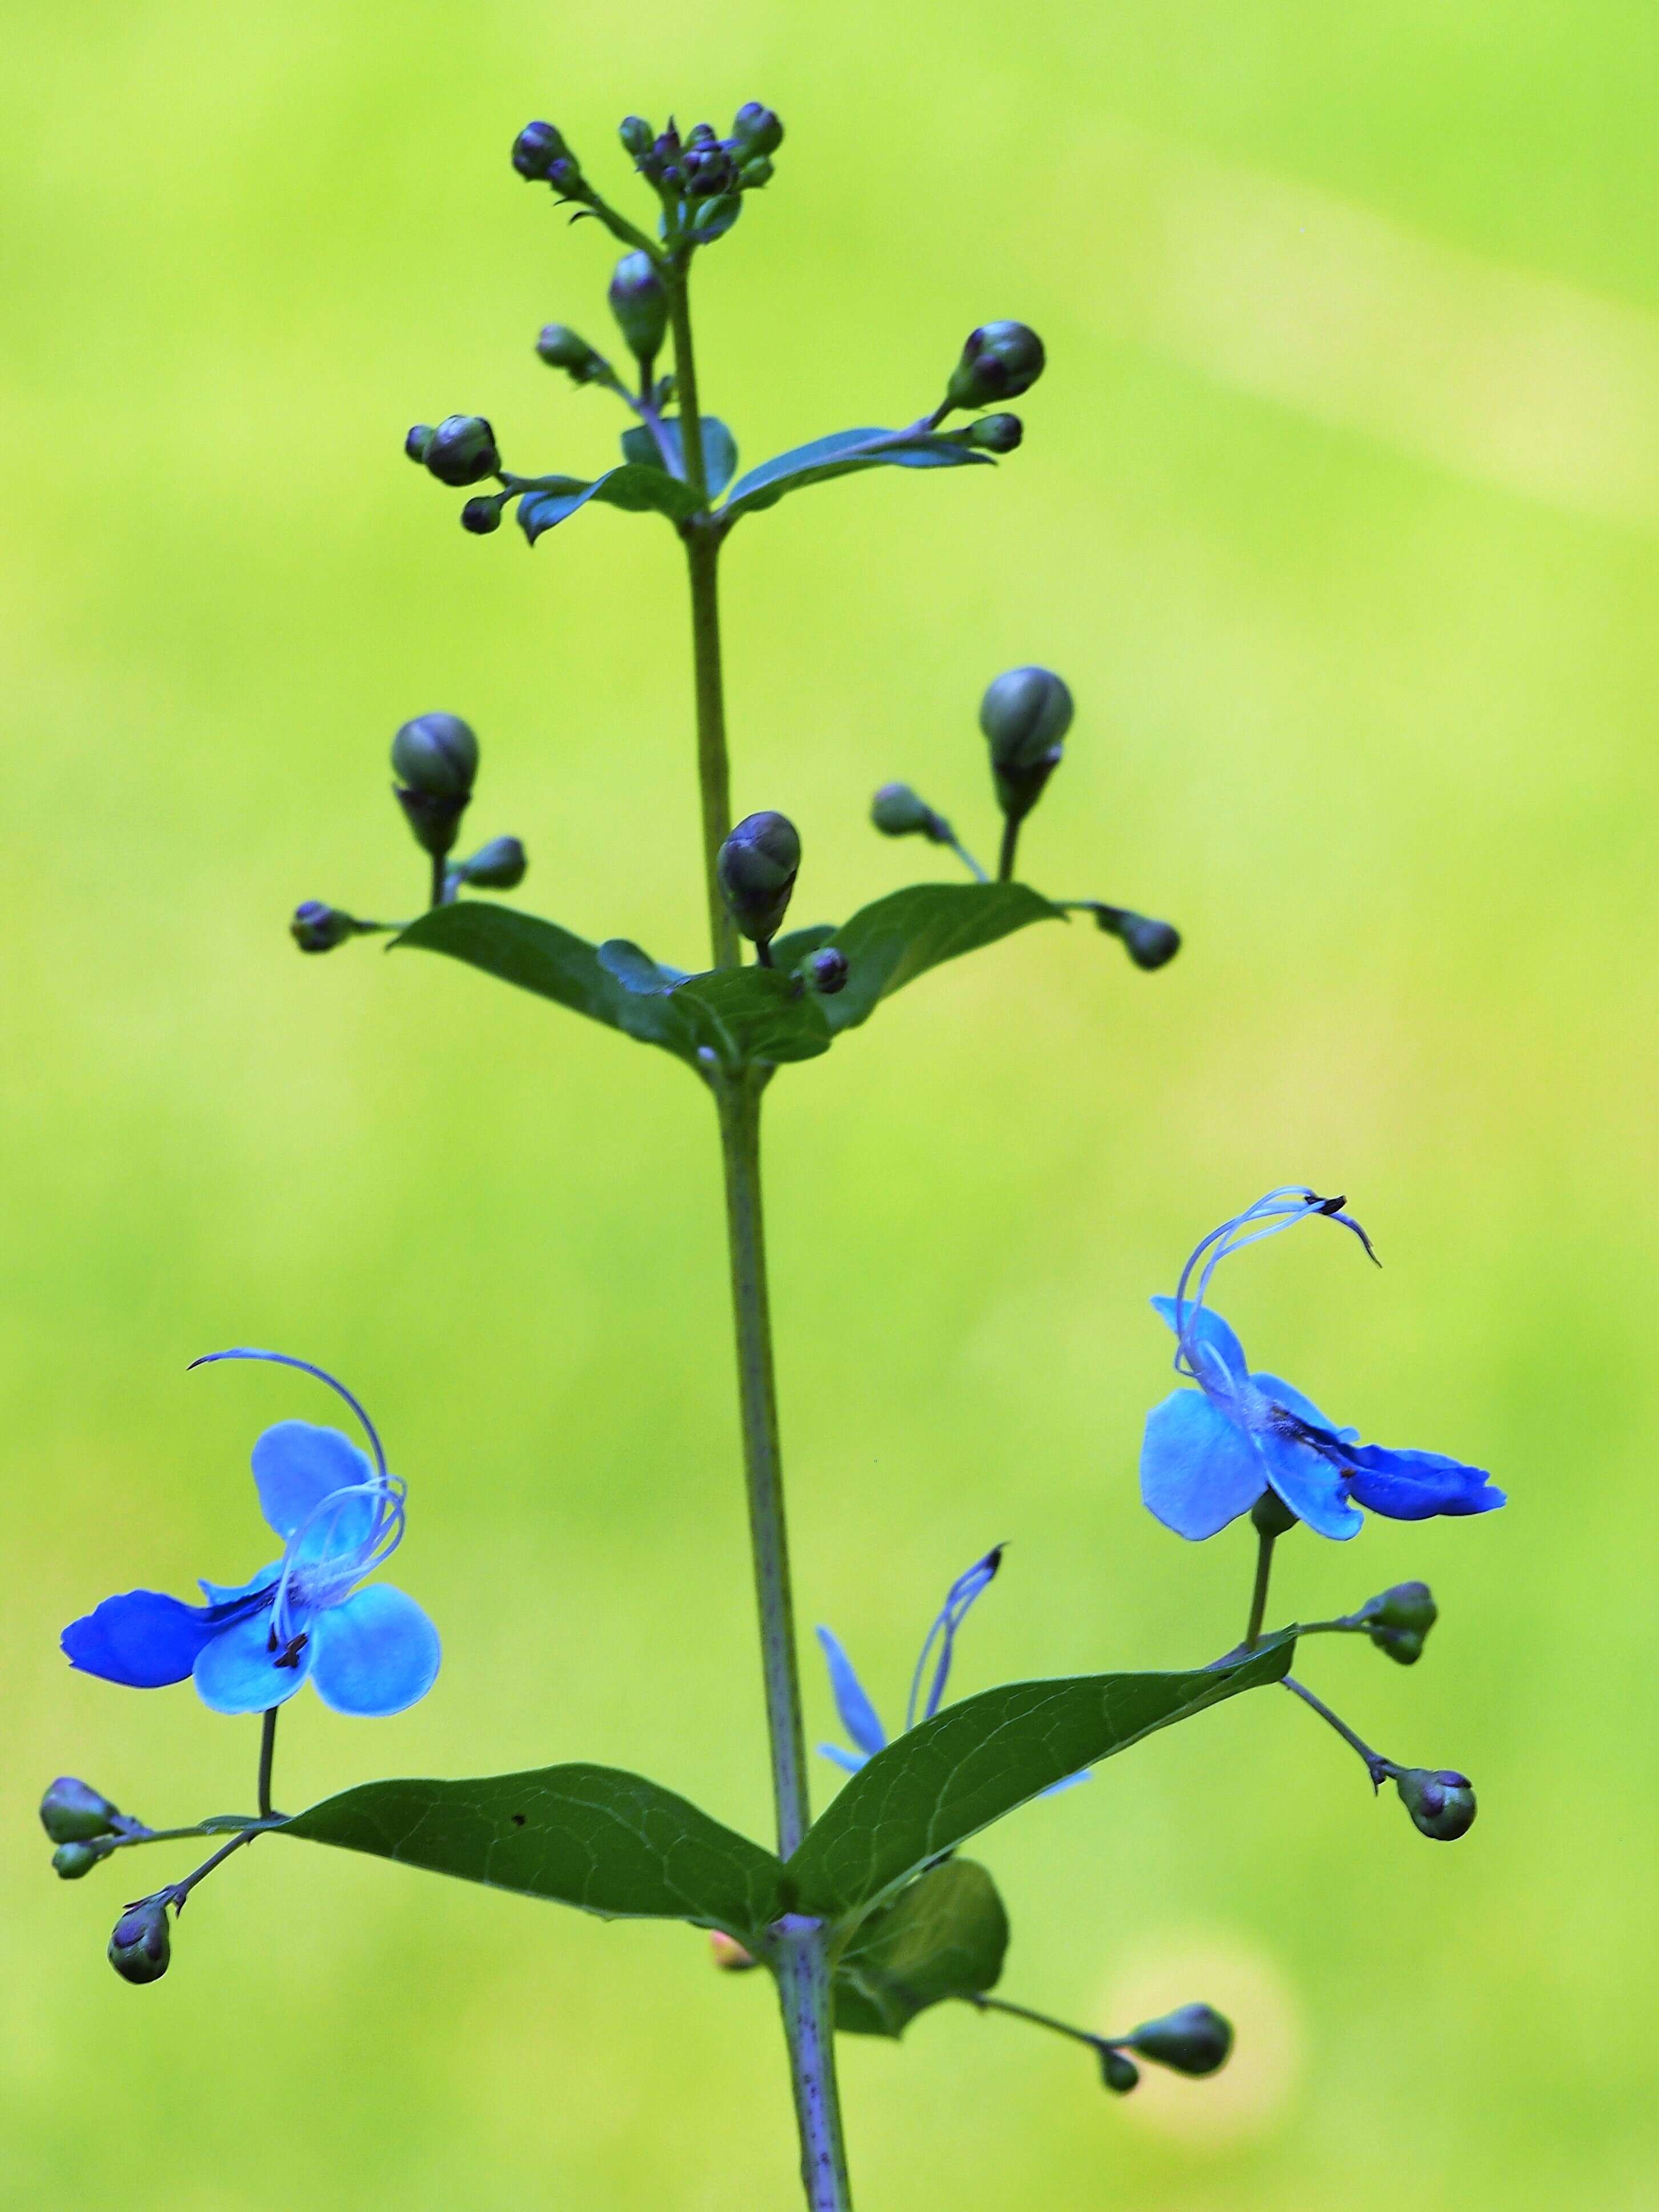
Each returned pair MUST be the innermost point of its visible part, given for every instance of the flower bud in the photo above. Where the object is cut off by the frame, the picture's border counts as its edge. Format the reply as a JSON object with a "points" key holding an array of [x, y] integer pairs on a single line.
{"points": [[757, 867], [1270, 1516], [1442, 1805], [1025, 714], [1399, 1621], [756, 129], [898, 811], [462, 451], [141, 1946], [561, 347], [497, 866], [72, 1812], [1118, 2070], [1149, 944], [70, 1861], [753, 174], [416, 440], [1194, 2039], [706, 170], [635, 134], [319, 928], [828, 969], [639, 300], [998, 362], [535, 149], [481, 516], [995, 433], [729, 1954], [436, 754]]}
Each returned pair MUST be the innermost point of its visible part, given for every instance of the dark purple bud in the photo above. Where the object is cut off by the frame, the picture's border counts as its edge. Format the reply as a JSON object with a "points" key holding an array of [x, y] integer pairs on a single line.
{"points": [[639, 300], [416, 440], [635, 134], [1149, 944], [499, 865], [1195, 2039], [535, 149], [462, 451], [995, 433], [481, 516], [436, 753], [319, 928], [828, 969], [757, 867], [73, 1812], [998, 362], [756, 129], [1117, 2070], [140, 1947], [1442, 1805]]}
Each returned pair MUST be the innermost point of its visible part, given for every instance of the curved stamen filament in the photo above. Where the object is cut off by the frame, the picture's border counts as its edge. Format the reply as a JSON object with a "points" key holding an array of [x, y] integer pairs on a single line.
{"points": [[348, 1568], [1274, 1212], [305, 1366]]}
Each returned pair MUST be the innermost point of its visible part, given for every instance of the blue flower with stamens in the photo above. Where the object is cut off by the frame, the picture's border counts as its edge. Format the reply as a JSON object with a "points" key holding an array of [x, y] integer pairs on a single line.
{"points": [[369, 1651], [1209, 1454], [858, 1716]]}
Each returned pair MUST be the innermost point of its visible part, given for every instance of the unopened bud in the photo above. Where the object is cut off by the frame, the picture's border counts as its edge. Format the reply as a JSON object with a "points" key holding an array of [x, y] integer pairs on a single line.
{"points": [[639, 300], [561, 347], [436, 754], [1399, 1621], [899, 812], [635, 134], [535, 149], [1149, 944], [1117, 2069], [998, 362], [497, 866], [756, 129], [828, 969], [319, 928], [1195, 2039], [70, 1861], [995, 433], [73, 1812], [751, 175], [461, 450], [1025, 713], [1442, 1805], [1270, 1516], [729, 1954], [757, 867], [416, 439], [140, 1944]]}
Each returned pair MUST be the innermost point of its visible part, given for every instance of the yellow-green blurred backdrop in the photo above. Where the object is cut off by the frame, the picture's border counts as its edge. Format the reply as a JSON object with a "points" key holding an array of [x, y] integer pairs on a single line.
{"points": [[1340, 510]]}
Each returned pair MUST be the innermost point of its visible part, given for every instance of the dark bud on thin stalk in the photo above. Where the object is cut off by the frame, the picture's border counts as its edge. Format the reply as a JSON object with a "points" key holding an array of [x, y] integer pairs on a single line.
{"points": [[828, 970], [416, 440], [319, 928], [1442, 1805], [70, 1861], [639, 300], [1117, 2070], [483, 516], [435, 760], [1149, 944], [757, 867], [1025, 714], [755, 130], [141, 1946], [636, 136], [535, 149], [995, 433], [561, 347], [1399, 1621], [899, 812], [499, 865], [1195, 2039], [462, 451], [73, 1812], [998, 362]]}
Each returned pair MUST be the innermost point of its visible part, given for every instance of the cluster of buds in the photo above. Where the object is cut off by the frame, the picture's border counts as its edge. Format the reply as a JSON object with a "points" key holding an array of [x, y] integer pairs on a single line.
{"points": [[541, 157], [702, 165], [83, 1825]]}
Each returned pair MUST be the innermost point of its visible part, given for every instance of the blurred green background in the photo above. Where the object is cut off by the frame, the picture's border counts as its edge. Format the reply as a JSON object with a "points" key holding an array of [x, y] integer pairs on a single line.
{"points": [[1339, 509]]}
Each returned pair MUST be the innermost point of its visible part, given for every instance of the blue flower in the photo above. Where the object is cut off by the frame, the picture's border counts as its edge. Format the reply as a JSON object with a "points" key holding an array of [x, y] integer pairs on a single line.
{"points": [[858, 1716], [1209, 1453], [369, 1650]]}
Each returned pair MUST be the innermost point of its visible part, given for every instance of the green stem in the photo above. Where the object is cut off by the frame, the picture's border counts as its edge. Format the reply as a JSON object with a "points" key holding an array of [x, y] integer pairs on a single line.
{"points": [[1377, 1766], [983, 2003], [800, 1948], [1009, 845], [1264, 1568], [267, 1755]]}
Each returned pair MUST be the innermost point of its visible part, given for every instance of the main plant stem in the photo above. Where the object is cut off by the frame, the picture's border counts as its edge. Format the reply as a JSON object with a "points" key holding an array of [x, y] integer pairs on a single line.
{"points": [[799, 1950]]}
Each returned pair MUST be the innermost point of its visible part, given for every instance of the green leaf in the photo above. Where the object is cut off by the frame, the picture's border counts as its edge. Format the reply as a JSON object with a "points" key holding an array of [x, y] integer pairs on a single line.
{"points": [[745, 1015], [945, 1935], [720, 450], [941, 1782], [900, 937], [595, 1837], [635, 487], [608, 982], [841, 455]]}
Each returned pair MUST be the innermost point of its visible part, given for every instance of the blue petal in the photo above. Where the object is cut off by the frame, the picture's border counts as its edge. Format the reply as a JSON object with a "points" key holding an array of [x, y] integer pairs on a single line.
{"points": [[848, 1761], [1286, 1394], [1212, 1336], [1198, 1468], [1068, 1782], [1414, 1485], [256, 1586], [857, 1716], [1310, 1483], [296, 1466], [145, 1640], [237, 1671], [376, 1653]]}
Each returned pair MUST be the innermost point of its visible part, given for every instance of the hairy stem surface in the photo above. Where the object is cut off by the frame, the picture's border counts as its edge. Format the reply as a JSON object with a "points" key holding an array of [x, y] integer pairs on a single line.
{"points": [[799, 1949]]}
